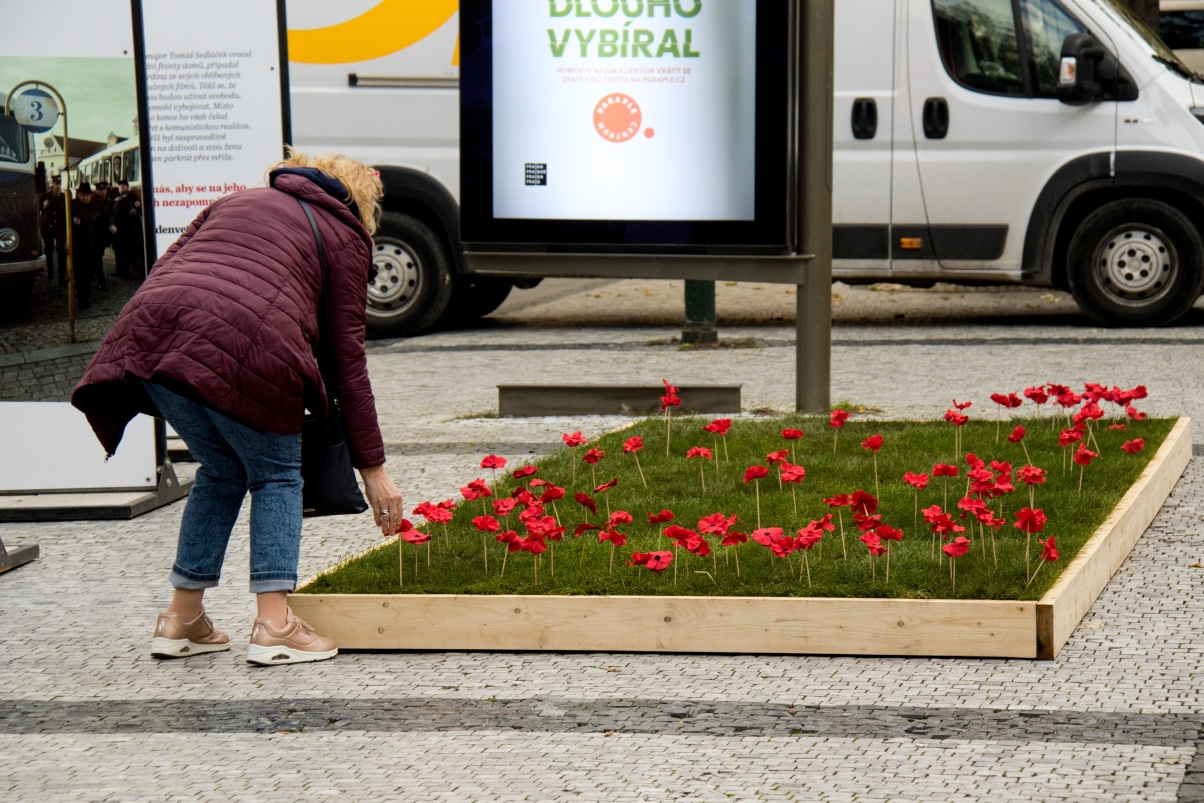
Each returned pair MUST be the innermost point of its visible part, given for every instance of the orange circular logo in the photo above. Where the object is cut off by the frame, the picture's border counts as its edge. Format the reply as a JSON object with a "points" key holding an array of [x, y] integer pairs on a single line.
{"points": [[617, 118]]}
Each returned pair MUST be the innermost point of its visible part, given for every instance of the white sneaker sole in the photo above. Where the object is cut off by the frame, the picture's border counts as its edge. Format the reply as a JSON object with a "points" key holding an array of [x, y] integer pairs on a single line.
{"points": [[271, 656], [182, 647]]}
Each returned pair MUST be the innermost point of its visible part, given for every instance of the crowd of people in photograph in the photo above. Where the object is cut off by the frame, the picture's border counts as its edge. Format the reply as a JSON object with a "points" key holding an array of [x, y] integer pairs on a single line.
{"points": [[101, 218]]}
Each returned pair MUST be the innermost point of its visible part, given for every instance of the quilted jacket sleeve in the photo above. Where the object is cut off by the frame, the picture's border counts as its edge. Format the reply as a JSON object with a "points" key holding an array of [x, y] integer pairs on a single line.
{"points": [[348, 264]]}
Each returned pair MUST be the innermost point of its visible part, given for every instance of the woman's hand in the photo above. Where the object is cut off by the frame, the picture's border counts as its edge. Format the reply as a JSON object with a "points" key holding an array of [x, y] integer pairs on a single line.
{"points": [[384, 498]]}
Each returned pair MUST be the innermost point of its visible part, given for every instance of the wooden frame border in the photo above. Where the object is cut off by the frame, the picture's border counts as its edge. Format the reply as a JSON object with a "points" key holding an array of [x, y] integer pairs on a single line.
{"points": [[776, 625]]}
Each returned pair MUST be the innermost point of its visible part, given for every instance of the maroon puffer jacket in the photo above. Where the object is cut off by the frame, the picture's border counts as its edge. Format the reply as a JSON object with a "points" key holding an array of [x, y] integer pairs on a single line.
{"points": [[229, 315]]}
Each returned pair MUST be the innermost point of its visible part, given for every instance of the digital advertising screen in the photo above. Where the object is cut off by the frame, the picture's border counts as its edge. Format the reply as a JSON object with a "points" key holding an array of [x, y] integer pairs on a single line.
{"points": [[624, 123]]}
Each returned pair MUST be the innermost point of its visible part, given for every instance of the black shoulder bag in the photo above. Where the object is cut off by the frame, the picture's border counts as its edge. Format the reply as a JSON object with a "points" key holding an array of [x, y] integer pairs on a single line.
{"points": [[329, 488]]}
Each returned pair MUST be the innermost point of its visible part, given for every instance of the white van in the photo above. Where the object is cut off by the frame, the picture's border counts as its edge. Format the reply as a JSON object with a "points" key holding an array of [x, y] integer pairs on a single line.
{"points": [[1049, 143]]}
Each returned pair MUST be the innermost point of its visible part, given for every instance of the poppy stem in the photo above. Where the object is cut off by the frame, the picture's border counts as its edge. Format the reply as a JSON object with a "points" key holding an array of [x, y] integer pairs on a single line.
{"points": [[416, 559], [945, 505], [1035, 573], [1027, 459], [952, 574], [835, 437], [401, 562], [715, 440], [612, 557], [556, 513], [1030, 496], [876, 491], [873, 567], [807, 564], [779, 476], [843, 551], [593, 471], [994, 553], [702, 476], [428, 554], [640, 469], [505, 555], [915, 516], [1080, 480], [794, 498], [536, 562], [552, 558], [737, 560], [1028, 540], [485, 548], [675, 564], [888, 565], [757, 488], [725, 455], [668, 431]]}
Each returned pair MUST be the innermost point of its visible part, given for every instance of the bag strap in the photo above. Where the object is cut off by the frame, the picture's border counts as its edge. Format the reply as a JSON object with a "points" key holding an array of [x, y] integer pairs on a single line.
{"points": [[326, 362]]}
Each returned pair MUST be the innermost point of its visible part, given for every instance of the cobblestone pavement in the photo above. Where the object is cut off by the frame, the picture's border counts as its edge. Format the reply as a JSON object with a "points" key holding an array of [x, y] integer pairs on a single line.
{"points": [[86, 715]]}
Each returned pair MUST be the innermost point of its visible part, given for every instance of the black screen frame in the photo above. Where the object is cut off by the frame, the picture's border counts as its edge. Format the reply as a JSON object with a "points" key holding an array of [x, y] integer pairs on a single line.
{"points": [[768, 233]]}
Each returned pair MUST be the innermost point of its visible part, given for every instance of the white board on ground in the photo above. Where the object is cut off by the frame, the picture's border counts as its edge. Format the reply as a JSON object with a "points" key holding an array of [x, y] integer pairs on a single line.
{"points": [[48, 446]]}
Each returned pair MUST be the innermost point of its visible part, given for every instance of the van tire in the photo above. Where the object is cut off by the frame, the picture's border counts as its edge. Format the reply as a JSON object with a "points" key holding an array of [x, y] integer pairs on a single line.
{"points": [[1137, 262], [410, 284], [473, 298]]}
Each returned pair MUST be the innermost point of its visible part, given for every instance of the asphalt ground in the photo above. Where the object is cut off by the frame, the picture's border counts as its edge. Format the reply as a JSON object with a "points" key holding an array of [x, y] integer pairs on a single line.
{"points": [[85, 714]]}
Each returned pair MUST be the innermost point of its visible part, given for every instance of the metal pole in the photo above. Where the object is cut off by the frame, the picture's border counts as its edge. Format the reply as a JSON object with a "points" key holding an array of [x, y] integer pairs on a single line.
{"points": [[813, 344], [700, 313], [66, 195]]}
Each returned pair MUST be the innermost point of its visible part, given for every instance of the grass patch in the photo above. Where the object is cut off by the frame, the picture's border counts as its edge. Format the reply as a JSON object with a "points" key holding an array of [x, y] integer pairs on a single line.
{"points": [[583, 565]]}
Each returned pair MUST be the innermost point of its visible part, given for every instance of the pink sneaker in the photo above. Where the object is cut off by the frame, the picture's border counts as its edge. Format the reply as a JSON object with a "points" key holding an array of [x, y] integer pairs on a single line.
{"points": [[295, 643], [177, 639]]}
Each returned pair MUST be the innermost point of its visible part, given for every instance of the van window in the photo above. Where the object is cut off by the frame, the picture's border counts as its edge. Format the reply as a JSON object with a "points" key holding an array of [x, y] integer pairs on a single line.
{"points": [[978, 44], [1182, 30], [1046, 25]]}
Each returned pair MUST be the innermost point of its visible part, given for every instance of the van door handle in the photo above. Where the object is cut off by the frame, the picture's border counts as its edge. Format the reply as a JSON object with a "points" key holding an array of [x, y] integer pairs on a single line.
{"points": [[865, 118], [936, 118]]}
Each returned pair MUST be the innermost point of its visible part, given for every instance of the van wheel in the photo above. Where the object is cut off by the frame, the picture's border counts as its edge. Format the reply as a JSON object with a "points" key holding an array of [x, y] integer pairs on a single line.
{"points": [[1136, 263], [473, 298], [410, 283]]}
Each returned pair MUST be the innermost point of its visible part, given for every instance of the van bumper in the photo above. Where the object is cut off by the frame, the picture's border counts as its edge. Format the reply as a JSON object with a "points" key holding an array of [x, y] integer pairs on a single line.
{"points": [[10, 268]]}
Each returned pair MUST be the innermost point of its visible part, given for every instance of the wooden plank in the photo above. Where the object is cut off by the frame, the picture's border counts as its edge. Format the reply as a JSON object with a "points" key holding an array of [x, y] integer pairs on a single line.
{"points": [[774, 625], [1064, 605], [611, 399]]}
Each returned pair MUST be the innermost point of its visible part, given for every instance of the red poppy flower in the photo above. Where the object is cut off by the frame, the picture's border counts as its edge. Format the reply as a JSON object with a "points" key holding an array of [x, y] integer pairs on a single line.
{"points": [[716, 524], [614, 536], [606, 486], [1037, 395], [989, 519], [1008, 400], [918, 481], [1090, 411], [439, 515], [840, 500], [961, 405], [1083, 456], [670, 389], [525, 471], [586, 501], [405, 526], [1049, 550], [958, 547], [1134, 446], [972, 506], [755, 473], [477, 489], [574, 439], [535, 546], [1069, 436], [523, 495], [551, 493], [593, 456], [809, 536], [888, 533], [944, 470], [1139, 392], [1017, 435], [731, 539], [1031, 475], [533, 510], [510, 539], [866, 523], [502, 507], [1117, 427], [493, 461], [1134, 413], [792, 434], [1030, 520], [838, 418], [670, 400], [773, 458], [653, 561], [719, 426], [1069, 399], [486, 524], [955, 418], [974, 461], [793, 473], [675, 532], [864, 503], [699, 451], [583, 527], [660, 518], [415, 537], [1056, 389], [619, 517], [633, 444], [872, 444], [767, 536]]}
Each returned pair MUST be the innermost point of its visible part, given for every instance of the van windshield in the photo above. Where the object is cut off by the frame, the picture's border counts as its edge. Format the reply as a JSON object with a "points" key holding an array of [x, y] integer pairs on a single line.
{"points": [[14, 142], [1158, 49]]}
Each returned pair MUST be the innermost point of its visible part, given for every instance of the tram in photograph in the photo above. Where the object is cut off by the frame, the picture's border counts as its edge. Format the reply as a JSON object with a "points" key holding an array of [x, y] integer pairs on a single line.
{"points": [[21, 256]]}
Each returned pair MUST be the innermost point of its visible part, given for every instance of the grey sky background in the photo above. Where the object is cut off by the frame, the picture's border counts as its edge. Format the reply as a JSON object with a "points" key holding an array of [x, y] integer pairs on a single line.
{"points": [[101, 94]]}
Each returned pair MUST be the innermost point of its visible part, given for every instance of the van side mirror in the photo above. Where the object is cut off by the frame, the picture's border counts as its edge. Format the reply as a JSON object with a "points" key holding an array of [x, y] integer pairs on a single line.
{"points": [[1077, 82]]}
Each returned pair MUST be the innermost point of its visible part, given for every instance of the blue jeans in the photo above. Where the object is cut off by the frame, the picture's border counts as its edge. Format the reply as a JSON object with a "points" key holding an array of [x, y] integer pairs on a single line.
{"points": [[235, 459]]}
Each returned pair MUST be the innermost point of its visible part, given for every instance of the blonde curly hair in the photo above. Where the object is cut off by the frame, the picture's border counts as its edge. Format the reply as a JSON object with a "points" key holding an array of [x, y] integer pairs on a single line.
{"points": [[359, 179]]}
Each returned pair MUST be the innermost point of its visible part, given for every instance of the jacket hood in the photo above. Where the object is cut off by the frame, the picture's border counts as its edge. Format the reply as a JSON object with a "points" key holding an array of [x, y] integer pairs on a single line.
{"points": [[330, 185]]}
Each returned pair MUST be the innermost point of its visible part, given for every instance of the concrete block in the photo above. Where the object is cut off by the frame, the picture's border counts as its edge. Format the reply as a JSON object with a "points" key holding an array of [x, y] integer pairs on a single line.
{"points": [[609, 399]]}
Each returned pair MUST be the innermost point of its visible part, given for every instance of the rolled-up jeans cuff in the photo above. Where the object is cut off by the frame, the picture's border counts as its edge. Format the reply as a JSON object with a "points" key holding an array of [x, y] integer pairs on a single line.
{"points": [[265, 582], [189, 581]]}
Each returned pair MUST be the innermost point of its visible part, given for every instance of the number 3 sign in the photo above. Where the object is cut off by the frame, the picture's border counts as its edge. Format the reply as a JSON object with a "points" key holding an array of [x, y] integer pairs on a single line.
{"points": [[35, 111]]}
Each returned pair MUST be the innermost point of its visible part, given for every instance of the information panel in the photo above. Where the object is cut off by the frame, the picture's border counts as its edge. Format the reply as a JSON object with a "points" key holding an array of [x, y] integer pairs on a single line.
{"points": [[215, 94], [666, 101], [624, 122]]}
